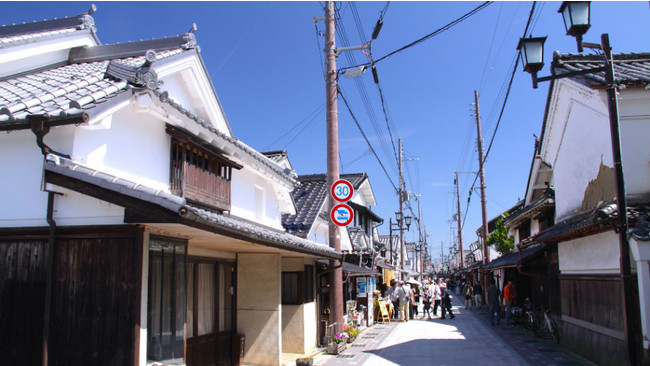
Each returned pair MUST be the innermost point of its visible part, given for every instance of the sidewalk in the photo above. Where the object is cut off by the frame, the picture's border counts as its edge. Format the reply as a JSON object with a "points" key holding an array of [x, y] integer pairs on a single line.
{"points": [[466, 340]]}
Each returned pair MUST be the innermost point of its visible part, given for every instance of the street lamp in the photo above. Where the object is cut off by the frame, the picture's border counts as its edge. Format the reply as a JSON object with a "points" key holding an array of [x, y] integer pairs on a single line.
{"points": [[576, 17]]}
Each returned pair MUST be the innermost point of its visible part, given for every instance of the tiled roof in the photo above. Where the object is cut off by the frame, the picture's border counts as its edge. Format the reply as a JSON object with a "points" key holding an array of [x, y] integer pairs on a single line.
{"points": [[515, 258], [19, 34], [57, 91], [593, 221], [237, 227], [309, 197], [629, 68], [276, 155], [542, 204], [286, 173]]}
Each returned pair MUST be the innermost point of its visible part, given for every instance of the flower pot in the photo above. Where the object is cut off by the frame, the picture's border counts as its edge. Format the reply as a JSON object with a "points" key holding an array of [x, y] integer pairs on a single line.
{"points": [[304, 362], [335, 348], [351, 339]]}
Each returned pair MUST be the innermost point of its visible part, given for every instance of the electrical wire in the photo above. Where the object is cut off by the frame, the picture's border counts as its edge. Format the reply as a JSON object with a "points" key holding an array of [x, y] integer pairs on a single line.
{"points": [[436, 32], [347, 105], [512, 76], [313, 114]]}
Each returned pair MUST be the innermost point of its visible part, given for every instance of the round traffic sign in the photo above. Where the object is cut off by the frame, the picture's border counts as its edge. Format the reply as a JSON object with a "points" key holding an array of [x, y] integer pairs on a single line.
{"points": [[342, 215], [342, 190]]}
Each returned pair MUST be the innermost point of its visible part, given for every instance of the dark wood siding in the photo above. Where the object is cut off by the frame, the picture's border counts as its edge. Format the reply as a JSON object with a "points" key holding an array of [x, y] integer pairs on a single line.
{"points": [[22, 296], [596, 299], [96, 296]]}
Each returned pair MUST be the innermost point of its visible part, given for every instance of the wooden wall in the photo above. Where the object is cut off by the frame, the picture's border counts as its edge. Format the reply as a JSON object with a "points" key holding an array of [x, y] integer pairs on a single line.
{"points": [[595, 299], [95, 297]]}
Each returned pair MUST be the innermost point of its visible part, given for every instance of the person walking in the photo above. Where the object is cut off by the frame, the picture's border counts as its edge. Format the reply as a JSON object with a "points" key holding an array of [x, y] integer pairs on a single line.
{"points": [[468, 291], [415, 300], [437, 296], [446, 304], [508, 298], [393, 296], [492, 301], [404, 302], [426, 301], [478, 293]]}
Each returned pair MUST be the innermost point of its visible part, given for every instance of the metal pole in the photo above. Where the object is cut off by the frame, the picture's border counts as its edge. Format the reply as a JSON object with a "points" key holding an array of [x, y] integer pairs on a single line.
{"points": [[621, 202], [336, 292], [486, 258], [401, 211], [460, 229], [420, 235]]}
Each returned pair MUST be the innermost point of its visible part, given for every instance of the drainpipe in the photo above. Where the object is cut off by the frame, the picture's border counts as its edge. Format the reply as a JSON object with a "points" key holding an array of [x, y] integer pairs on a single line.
{"points": [[49, 280]]}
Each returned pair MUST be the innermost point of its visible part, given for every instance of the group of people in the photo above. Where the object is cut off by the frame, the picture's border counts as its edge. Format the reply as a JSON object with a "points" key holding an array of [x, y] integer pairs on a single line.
{"points": [[404, 298]]}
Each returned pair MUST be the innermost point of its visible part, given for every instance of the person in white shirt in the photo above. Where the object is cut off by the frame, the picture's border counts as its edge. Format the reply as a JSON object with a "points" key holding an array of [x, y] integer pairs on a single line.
{"points": [[437, 297], [404, 301]]}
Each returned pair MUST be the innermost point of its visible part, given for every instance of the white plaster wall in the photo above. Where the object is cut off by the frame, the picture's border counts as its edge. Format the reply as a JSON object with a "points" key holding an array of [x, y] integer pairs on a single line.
{"points": [[299, 322], [33, 55], [135, 147], [634, 115], [22, 203], [586, 144], [577, 139], [243, 198], [259, 315], [593, 254]]}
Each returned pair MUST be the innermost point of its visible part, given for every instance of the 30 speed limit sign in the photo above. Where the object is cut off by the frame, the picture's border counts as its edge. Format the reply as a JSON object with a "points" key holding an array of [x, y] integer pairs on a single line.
{"points": [[342, 190]]}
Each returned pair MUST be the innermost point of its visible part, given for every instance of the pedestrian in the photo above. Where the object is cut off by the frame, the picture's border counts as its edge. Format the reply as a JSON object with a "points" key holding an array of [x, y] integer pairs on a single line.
{"points": [[468, 295], [508, 299], [492, 301], [426, 301], [478, 292], [446, 304], [393, 296], [404, 302], [437, 296], [415, 300]]}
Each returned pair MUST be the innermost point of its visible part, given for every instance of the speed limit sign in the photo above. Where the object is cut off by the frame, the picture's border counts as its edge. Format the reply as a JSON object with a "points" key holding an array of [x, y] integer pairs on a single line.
{"points": [[342, 190]]}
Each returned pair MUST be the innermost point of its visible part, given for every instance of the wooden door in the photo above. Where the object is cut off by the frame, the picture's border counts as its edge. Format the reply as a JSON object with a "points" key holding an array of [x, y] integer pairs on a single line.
{"points": [[210, 312]]}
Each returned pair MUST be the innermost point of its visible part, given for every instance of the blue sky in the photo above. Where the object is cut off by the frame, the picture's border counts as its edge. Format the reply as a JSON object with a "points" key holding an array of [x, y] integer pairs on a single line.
{"points": [[265, 60]]}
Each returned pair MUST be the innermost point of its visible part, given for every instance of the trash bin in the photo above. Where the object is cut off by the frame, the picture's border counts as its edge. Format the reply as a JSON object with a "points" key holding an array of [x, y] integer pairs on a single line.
{"points": [[238, 347]]}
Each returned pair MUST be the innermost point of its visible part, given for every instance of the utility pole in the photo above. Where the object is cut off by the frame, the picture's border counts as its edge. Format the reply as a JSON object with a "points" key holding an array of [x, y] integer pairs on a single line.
{"points": [[390, 238], [420, 239], [401, 212], [486, 258], [336, 283], [460, 228]]}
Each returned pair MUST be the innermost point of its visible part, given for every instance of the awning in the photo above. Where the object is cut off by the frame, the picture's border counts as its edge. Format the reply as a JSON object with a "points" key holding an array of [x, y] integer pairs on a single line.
{"points": [[353, 270], [513, 259]]}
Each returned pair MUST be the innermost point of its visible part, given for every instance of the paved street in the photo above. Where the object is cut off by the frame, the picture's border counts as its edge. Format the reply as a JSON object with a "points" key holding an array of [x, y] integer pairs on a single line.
{"points": [[466, 340]]}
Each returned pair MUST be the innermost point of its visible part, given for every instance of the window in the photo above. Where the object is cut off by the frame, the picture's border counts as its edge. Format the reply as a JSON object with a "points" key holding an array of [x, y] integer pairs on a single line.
{"points": [[292, 292], [259, 202], [524, 230], [166, 305], [298, 287], [199, 172]]}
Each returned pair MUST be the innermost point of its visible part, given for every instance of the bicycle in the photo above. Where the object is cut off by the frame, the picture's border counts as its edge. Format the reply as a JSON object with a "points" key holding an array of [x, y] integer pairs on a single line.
{"points": [[547, 327]]}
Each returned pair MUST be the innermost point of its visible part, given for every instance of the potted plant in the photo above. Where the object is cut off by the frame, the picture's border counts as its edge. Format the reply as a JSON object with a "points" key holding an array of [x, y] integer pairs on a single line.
{"points": [[338, 343], [304, 361], [352, 331]]}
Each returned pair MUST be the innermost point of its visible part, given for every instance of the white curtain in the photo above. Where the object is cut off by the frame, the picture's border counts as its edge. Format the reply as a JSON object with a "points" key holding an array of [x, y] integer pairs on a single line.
{"points": [[206, 301]]}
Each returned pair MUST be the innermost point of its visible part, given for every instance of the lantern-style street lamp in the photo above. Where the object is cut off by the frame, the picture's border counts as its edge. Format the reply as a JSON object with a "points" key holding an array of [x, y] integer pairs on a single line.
{"points": [[576, 17]]}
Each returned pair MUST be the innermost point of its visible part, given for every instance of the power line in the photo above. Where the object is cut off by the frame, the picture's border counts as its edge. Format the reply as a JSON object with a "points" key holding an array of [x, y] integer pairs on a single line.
{"points": [[512, 76], [345, 101], [436, 32]]}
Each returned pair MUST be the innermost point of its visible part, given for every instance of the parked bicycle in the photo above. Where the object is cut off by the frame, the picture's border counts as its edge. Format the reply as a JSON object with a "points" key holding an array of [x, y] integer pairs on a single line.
{"points": [[537, 320]]}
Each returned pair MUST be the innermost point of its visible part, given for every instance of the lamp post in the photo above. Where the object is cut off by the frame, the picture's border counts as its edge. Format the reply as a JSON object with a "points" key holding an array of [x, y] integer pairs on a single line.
{"points": [[576, 17], [399, 227]]}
